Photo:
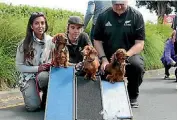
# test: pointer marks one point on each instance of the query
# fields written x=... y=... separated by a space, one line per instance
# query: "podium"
x=72 y=97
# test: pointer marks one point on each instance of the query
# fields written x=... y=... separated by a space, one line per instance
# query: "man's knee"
x=137 y=63
x=43 y=78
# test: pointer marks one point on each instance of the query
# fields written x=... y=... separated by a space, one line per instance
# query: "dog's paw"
x=93 y=78
x=111 y=81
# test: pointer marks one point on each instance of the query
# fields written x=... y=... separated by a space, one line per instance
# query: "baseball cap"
x=118 y=1
x=75 y=20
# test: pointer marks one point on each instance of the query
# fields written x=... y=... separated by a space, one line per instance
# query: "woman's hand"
x=44 y=67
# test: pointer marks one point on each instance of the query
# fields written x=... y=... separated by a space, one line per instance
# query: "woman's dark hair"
x=28 y=41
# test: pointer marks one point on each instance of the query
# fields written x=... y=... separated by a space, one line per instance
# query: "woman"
x=169 y=58
x=32 y=62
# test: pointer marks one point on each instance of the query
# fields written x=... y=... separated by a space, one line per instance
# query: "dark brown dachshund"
x=90 y=62
x=116 y=68
x=60 y=54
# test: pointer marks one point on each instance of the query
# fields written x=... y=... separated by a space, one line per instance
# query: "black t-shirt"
x=119 y=31
x=75 y=55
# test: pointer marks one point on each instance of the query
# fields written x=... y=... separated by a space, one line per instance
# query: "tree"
x=160 y=7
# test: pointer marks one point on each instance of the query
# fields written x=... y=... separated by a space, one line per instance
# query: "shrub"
x=154 y=44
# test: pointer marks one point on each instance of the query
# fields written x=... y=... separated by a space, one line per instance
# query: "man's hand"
x=44 y=67
x=103 y=65
x=79 y=66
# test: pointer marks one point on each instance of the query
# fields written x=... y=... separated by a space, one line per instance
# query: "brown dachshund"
x=60 y=54
x=116 y=68
x=90 y=62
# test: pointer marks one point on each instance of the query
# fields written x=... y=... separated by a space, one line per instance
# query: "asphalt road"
x=157 y=100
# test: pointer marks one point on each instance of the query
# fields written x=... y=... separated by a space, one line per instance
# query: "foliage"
x=156 y=35
x=160 y=7
x=7 y=70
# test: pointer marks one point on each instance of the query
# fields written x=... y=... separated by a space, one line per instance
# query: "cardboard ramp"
x=60 y=95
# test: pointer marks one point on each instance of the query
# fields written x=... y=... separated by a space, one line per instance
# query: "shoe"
x=166 y=77
x=134 y=103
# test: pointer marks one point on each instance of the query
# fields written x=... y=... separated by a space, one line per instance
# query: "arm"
x=89 y=13
x=139 y=36
x=104 y=61
x=20 y=66
x=98 y=36
x=99 y=47
x=98 y=43
x=137 y=48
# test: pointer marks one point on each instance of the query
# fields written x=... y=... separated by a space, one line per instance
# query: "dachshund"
x=116 y=68
x=90 y=62
x=60 y=53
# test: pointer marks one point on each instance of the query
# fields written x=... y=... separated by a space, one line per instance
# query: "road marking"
x=8 y=100
x=11 y=98
x=11 y=105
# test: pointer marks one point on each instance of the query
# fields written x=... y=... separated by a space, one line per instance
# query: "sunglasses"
x=37 y=13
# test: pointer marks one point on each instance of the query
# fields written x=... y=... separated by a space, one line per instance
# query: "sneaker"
x=166 y=77
x=134 y=103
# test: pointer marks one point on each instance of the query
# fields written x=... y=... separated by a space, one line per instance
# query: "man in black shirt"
x=121 y=26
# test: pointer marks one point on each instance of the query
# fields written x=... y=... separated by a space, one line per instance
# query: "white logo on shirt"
x=127 y=23
x=108 y=24
x=80 y=49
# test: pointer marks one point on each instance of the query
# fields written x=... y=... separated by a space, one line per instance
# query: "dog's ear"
x=64 y=36
x=93 y=51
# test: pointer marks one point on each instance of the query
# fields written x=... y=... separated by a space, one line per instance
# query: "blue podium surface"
x=116 y=104
x=60 y=97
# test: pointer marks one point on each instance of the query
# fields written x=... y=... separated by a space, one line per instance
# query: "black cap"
x=75 y=20
x=118 y=2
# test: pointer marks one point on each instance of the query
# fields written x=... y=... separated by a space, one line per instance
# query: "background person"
x=95 y=7
x=169 y=57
